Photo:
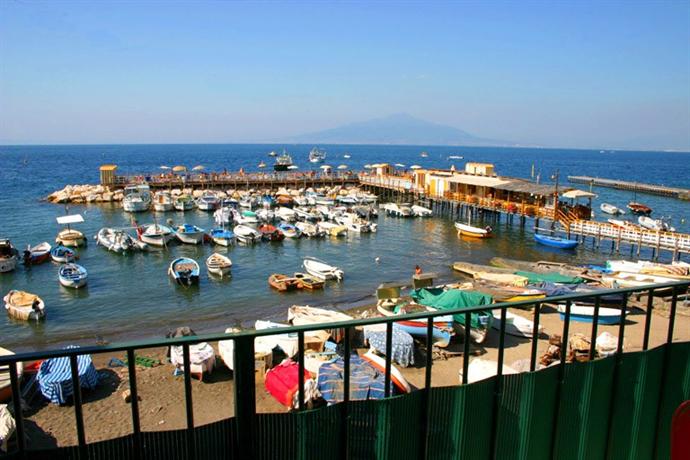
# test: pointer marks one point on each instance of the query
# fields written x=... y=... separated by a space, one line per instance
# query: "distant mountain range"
x=397 y=129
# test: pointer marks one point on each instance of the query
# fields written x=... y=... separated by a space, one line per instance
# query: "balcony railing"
x=579 y=410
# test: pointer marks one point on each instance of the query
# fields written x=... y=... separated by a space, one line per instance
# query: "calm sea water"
x=132 y=297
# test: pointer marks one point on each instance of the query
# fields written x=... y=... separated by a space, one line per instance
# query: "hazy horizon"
x=582 y=75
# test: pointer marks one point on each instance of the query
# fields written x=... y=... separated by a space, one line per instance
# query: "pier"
x=680 y=193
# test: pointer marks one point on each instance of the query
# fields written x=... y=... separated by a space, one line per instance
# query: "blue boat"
x=268 y=201
x=62 y=254
x=184 y=271
x=585 y=314
x=555 y=241
x=222 y=236
x=441 y=337
x=289 y=230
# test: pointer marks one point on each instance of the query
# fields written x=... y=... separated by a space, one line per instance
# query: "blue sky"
x=572 y=74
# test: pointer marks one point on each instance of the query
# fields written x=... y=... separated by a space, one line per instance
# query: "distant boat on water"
x=317 y=155
x=283 y=162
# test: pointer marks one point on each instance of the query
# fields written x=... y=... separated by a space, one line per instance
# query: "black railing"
x=244 y=371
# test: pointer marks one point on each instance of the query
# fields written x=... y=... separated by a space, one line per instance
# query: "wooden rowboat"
x=282 y=282
x=24 y=306
x=309 y=282
x=218 y=264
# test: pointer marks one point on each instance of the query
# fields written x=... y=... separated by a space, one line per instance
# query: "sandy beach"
x=107 y=416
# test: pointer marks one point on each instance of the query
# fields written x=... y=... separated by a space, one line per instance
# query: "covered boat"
x=24 y=306
x=300 y=315
x=322 y=270
x=222 y=236
x=115 y=240
x=474 y=232
x=62 y=255
x=8 y=256
x=34 y=255
x=555 y=241
x=218 y=264
x=282 y=282
x=55 y=377
x=72 y=275
x=157 y=235
x=246 y=234
x=480 y=322
x=611 y=209
x=184 y=271
x=5 y=384
x=189 y=234
x=70 y=237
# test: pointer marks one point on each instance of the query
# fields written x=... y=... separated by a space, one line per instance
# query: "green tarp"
x=535 y=278
x=455 y=298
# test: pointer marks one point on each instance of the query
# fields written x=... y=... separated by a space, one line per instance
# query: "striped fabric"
x=55 y=377
x=366 y=382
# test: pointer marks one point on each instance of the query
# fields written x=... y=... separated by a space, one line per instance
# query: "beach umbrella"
x=342 y=167
x=179 y=168
x=198 y=168
x=165 y=167
x=415 y=167
x=399 y=165
x=293 y=167
x=325 y=167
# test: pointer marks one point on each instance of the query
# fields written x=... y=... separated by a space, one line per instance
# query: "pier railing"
x=617 y=406
x=632 y=234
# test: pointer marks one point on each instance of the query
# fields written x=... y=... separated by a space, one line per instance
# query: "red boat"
x=639 y=208
x=271 y=233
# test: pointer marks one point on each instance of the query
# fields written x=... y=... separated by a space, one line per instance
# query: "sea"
x=131 y=296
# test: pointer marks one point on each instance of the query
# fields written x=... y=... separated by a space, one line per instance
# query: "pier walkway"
x=680 y=193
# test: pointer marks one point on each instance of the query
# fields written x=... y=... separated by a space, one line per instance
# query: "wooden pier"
x=680 y=193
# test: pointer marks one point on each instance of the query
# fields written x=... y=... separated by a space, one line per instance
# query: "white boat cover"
x=70 y=219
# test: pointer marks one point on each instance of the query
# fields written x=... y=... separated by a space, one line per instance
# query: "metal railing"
x=244 y=371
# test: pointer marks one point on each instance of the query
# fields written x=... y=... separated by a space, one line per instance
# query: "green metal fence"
x=617 y=407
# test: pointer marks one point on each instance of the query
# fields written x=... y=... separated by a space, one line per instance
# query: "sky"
x=560 y=74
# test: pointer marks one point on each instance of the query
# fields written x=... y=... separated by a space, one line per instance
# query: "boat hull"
x=555 y=242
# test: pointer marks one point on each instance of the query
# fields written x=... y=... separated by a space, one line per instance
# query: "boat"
x=655 y=224
x=517 y=326
x=282 y=282
x=474 y=232
x=355 y=223
x=245 y=217
x=624 y=224
x=674 y=270
x=208 y=202
x=262 y=165
x=332 y=229
x=611 y=209
x=156 y=234
x=503 y=293
x=267 y=201
x=379 y=363
x=347 y=156
x=8 y=256
x=246 y=234
x=308 y=282
x=70 y=237
x=62 y=255
x=424 y=155
x=24 y=306
x=393 y=209
x=585 y=314
x=184 y=271
x=555 y=241
x=34 y=255
x=289 y=230
x=189 y=234
x=218 y=264
x=443 y=324
x=137 y=198
x=115 y=240
x=72 y=275
x=222 y=215
x=5 y=383
x=305 y=315
x=285 y=214
x=265 y=215
x=222 y=236
x=317 y=155
x=322 y=270
x=541 y=266
x=271 y=233
x=310 y=230
x=347 y=200
x=634 y=280
x=184 y=203
x=247 y=201
x=272 y=153
x=639 y=209
x=421 y=211
x=162 y=201
x=307 y=214
x=283 y=162
x=284 y=199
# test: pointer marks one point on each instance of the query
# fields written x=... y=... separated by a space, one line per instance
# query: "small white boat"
x=475 y=232
x=611 y=209
x=317 y=155
x=621 y=223
x=349 y=200
x=421 y=211
x=70 y=237
x=310 y=230
x=24 y=306
x=222 y=215
x=115 y=240
x=322 y=270
x=218 y=264
x=632 y=280
x=8 y=256
x=585 y=314
x=396 y=210
x=654 y=224
x=157 y=235
x=245 y=217
x=516 y=325
x=265 y=215
x=162 y=201
x=246 y=234
x=332 y=229
x=353 y=223
x=286 y=214
x=184 y=203
x=72 y=276
x=208 y=202
x=137 y=198
x=62 y=254
x=189 y=234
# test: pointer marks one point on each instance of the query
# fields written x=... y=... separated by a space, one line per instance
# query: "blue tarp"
x=402 y=345
x=55 y=377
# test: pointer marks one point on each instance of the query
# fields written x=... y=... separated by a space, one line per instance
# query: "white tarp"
x=71 y=219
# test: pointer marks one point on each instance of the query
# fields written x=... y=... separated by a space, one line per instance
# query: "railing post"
x=17 y=404
x=76 y=392
x=344 y=428
x=389 y=352
x=561 y=377
x=134 y=395
x=245 y=397
x=535 y=337
x=426 y=404
x=466 y=348
x=498 y=385
x=189 y=405
x=648 y=319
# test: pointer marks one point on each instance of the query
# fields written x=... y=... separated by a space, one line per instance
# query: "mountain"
x=400 y=129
